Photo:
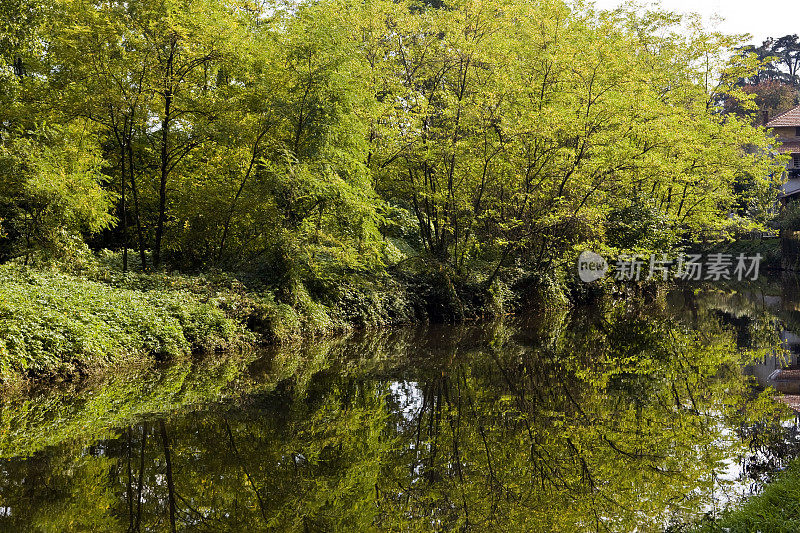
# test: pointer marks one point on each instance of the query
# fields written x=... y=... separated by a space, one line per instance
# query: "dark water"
x=636 y=413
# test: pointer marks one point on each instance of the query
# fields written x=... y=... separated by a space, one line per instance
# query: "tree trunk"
x=136 y=214
x=226 y=227
x=124 y=208
x=162 y=190
x=170 y=482
x=165 y=126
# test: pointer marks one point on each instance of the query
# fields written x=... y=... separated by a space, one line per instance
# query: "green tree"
x=51 y=192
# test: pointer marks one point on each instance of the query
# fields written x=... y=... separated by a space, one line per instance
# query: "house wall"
x=786 y=134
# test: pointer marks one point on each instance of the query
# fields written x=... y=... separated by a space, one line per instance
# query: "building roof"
x=789 y=147
x=790 y=188
x=789 y=118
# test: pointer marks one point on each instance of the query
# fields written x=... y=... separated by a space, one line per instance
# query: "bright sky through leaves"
x=767 y=18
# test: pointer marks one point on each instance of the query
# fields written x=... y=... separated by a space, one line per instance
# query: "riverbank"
x=58 y=323
x=776 y=509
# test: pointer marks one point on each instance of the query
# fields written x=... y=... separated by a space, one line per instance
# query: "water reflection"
x=629 y=413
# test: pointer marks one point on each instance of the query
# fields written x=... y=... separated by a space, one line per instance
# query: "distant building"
x=786 y=128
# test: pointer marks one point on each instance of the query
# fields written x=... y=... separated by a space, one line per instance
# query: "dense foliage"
x=331 y=143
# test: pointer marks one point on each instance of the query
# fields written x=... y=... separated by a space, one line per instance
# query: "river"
x=636 y=412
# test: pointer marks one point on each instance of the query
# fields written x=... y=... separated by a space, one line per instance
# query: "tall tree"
x=182 y=42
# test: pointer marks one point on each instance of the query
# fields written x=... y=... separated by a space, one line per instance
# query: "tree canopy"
x=309 y=142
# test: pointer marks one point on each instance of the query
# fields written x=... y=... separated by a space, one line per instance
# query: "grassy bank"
x=776 y=510
x=58 y=324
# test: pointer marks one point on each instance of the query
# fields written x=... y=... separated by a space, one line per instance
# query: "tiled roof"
x=789 y=147
x=790 y=188
x=786 y=119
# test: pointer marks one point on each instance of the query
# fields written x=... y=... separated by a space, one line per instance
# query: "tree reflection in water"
x=624 y=414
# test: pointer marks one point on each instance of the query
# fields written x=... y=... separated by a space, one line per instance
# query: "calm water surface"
x=628 y=414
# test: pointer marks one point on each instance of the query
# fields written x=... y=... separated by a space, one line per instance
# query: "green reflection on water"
x=627 y=413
